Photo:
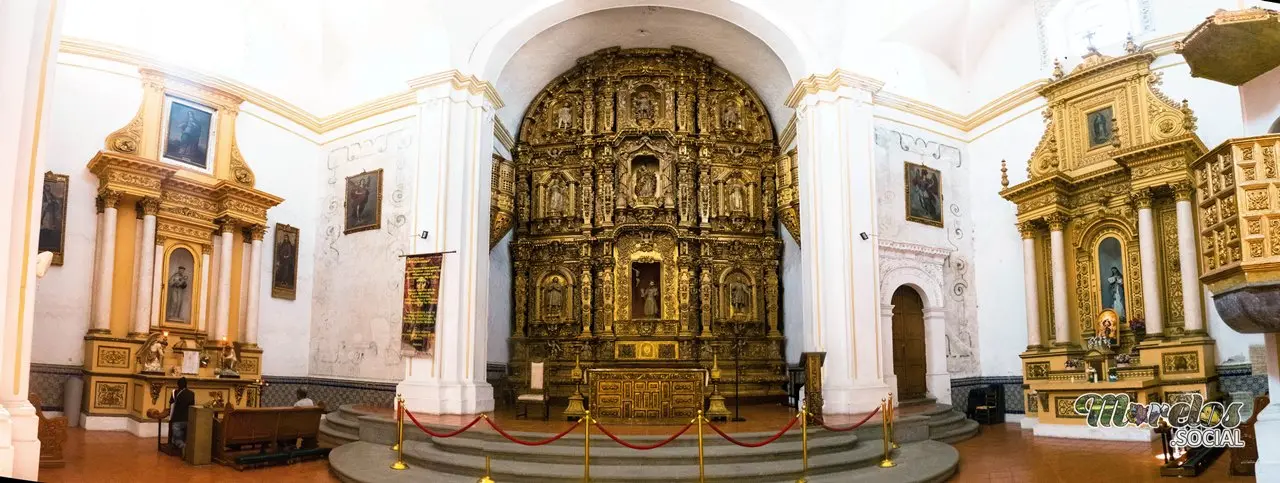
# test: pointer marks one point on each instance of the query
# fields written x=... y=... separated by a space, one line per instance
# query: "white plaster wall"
x=87 y=105
x=359 y=277
x=896 y=144
x=500 y=300
x=284 y=165
x=792 y=288
x=1261 y=102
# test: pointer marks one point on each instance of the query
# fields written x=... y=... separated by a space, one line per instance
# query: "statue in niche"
x=646 y=182
x=556 y=198
x=178 y=283
x=564 y=117
x=729 y=117
x=151 y=355
x=555 y=297
x=650 y=295
x=739 y=297
x=642 y=106
x=1116 y=281
x=737 y=194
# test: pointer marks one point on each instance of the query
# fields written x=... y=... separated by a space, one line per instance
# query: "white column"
x=839 y=268
x=937 y=378
x=1147 y=252
x=157 y=281
x=1267 y=428
x=29 y=32
x=203 y=315
x=1188 y=259
x=97 y=261
x=255 y=280
x=107 y=265
x=224 y=282
x=242 y=318
x=1057 y=251
x=454 y=159
x=148 y=270
x=137 y=257
x=211 y=288
x=1031 y=284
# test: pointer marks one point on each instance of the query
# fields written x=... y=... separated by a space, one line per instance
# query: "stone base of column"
x=6 y=444
x=99 y=332
x=1037 y=348
x=1029 y=422
x=1151 y=340
x=855 y=399
x=139 y=335
x=25 y=427
x=1065 y=347
x=1267 y=431
x=438 y=397
x=939 y=385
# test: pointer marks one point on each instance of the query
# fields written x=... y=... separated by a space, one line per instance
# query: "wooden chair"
x=988 y=411
x=536 y=394
x=52 y=433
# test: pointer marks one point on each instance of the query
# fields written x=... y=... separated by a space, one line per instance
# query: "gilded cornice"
x=788 y=135
x=503 y=136
x=242 y=203
x=831 y=82
x=129 y=174
x=459 y=81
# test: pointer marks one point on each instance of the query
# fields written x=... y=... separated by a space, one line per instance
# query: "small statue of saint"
x=729 y=118
x=151 y=355
x=738 y=296
x=555 y=296
x=556 y=198
x=229 y=361
x=646 y=182
x=736 y=197
x=650 y=295
x=177 y=295
x=642 y=106
x=564 y=117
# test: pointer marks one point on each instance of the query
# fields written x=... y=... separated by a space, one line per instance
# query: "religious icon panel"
x=924 y=194
x=363 y=202
x=189 y=132
x=1100 y=122
x=284 y=264
x=53 y=215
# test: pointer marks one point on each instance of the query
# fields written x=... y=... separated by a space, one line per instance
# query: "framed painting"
x=284 y=264
x=363 y=206
x=1100 y=124
x=53 y=215
x=189 y=133
x=924 y=194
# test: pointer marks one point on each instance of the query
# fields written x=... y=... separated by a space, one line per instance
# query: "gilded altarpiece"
x=644 y=204
x=1113 y=145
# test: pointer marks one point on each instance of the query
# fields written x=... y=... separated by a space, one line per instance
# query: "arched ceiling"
x=555 y=50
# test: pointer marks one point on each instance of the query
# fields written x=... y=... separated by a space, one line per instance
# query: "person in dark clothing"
x=182 y=399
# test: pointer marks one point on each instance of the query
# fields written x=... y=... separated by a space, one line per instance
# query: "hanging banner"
x=421 y=294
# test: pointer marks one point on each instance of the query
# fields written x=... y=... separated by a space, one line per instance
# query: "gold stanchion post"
x=586 y=446
x=399 y=464
x=804 y=445
x=893 y=419
x=485 y=478
x=702 y=475
x=887 y=462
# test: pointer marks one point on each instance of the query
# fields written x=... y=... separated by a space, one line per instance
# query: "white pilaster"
x=255 y=280
x=1267 y=427
x=1150 y=283
x=146 y=281
x=137 y=261
x=937 y=378
x=106 y=266
x=1032 y=286
x=1192 y=311
x=210 y=289
x=242 y=318
x=455 y=115
x=203 y=317
x=223 y=317
x=839 y=268
x=29 y=31
x=157 y=282
x=1057 y=251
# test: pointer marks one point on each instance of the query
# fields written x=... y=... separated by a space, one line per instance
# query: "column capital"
x=1183 y=190
x=254 y=232
x=206 y=248
x=1027 y=229
x=1141 y=198
x=1057 y=221
x=110 y=198
x=225 y=225
x=150 y=206
x=160 y=239
x=100 y=203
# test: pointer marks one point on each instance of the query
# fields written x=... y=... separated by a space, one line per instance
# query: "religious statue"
x=151 y=355
x=564 y=117
x=1116 y=282
x=739 y=296
x=650 y=295
x=646 y=182
x=556 y=198
x=729 y=118
x=177 y=295
x=229 y=361
x=736 y=196
x=555 y=296
x=642 y=105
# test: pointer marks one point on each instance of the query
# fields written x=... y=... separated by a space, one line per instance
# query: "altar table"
x=646 y=395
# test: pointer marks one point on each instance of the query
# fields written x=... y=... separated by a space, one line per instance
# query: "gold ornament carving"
x=109 y=395
x=128 y=138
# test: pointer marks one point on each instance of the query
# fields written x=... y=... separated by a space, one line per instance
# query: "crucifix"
x=1088 y=37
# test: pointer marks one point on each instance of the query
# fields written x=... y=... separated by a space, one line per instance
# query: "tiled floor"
x=1001 y=453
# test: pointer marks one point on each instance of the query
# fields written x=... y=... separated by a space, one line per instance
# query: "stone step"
x=482 y=432
x=967 y=429
x=332 y=436
x=612 y=453
x=906 y=403
x=945 y=419
x=343 y=422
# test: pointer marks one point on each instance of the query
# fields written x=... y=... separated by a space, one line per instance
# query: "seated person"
x=181 y=400
x=303 y=400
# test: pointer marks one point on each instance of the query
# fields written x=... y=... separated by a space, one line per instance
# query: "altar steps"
x=950 y=426
x=340 y=427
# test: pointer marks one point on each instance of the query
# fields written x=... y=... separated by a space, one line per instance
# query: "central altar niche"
x=645 y=235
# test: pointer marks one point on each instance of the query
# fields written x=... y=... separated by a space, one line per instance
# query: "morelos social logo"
x=1195 y=424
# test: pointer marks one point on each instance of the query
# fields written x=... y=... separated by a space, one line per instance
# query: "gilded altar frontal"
x=644 y=233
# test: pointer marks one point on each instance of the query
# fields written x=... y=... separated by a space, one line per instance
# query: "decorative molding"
x=831 y=82
x=459 y=81
x=503 y=136
x=788 y=135
x=915 y=249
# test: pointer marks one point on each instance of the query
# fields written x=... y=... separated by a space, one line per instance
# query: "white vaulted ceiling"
x=556 y=49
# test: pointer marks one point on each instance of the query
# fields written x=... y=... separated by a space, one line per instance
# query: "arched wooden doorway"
x=908 y=343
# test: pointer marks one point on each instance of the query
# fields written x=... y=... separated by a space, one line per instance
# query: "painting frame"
x=60 y=225
x=910 y=172
x=1107 y=116
x=375 y=198
x=281 y=236
x=210 y=134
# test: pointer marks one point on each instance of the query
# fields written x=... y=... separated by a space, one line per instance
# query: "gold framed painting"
x=53 y=215
x=363 y=206
x=923 y=189
x=284 y=262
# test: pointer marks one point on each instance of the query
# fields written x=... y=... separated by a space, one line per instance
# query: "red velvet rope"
x=513 y=439
x=642 y=447
x=443 y=435
x=855 y=425
x=755 y=445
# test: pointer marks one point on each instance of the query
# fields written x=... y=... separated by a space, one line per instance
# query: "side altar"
x=1113 y=295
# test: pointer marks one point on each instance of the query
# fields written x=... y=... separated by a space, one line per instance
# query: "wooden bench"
x=246 y=437
x=52 y=433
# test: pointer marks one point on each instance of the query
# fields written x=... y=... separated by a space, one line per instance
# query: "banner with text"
x=421 y=294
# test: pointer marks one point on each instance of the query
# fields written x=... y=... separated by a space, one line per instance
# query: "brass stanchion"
x=893 y=417
x=804 y=445
x=586 y=446
x=485 y=478
x=399 y=447
x=702 y=475
x=887 y=462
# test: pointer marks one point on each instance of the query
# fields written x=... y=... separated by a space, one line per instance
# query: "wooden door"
x=908 y=343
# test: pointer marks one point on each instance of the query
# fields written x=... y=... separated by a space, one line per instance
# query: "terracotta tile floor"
x=1001 y=453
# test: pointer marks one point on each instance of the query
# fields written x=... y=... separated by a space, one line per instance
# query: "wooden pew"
x=246 y=437
x=52 y=433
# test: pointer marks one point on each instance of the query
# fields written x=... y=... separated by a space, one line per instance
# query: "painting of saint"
x=189 y=133
x=284 y=264
x=924 y=194
x=177 y=306
x=1111 y=274
x=53 y=215
x=364 y=202
x=1099 y=126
